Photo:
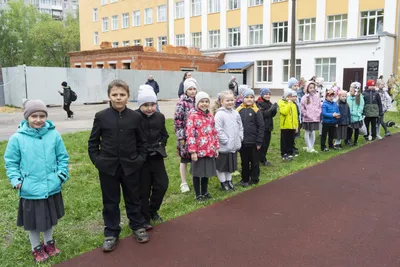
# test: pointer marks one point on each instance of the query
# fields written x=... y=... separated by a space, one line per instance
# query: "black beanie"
x=64 y=84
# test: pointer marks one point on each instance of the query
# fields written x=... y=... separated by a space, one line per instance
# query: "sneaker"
x=266 y=163
x=39 y=255
x=141 y=235
x=370 y=138
x=156 y=218
x=313 y=151
x=243 y=183
x=231 y=186
x=147 y=226
x=388 y=134
x=207 y=196
x=336 y=147
x=253 y=182
x=225 y=186
x=110 y=243
x=51 y=249
x=379 y=137
x=325 y=150
x=366 y=138
x=199 y=199
x=290 y=157
x=184 y=188
x=286 y=157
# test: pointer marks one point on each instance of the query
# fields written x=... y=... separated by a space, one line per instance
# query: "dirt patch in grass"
x=7 y=109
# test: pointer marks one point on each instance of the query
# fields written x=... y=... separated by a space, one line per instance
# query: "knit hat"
x=201 y=95
x=241 y=88
x=248 y=92
x=264 y=91
x=292 y=81
x=146 y=95
x=370 y=83
x=191 y=82
x=64 y=84
x=288 y=92
x=32 y=106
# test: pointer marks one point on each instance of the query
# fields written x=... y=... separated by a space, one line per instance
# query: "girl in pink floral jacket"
x=202 y=139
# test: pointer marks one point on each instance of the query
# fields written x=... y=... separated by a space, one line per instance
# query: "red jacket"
x=201 y=135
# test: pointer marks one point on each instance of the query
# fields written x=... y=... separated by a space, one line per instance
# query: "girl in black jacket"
x=344 y=120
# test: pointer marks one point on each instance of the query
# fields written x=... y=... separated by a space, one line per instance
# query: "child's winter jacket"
x=230 y=130
x=373 y=104
x=268 y=111
x=386 y=99
x=345 y=117
x=253 y=124
x=311 y=112
x=328 y=108
x=356 y=111
x=183 y=108
x=288 y=115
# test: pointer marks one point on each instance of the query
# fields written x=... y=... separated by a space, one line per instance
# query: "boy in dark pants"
x=372 y=109
x=330 y=116
x=153 y=176
x=253 y=125
x=289 y=123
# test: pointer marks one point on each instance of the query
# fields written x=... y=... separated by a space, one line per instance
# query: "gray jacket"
x=230 y=130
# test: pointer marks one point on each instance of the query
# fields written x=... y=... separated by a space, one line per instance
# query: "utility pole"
x=293 y=41
x=2 y=97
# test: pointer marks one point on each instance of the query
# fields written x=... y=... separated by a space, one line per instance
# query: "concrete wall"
x=91 y=84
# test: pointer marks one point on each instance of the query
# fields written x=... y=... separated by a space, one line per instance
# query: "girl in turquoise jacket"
x=36 y=164
x=356 y=103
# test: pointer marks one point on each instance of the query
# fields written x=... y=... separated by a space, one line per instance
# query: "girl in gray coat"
x=230 y=135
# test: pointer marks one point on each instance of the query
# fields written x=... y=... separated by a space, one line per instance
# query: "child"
x=183 y=108
x=386 y=104
x=239 y=99
x=230 y=136
x=202 y=145
x=153 y=176
x=268 y=110
x=344 y=120
x=117 y=146
x=330 y=116
x=293 y=85
x=372 y=109
x=253 y=134
x=310 y=107
x=356 y=105
x=36 y=163
x=289 y=124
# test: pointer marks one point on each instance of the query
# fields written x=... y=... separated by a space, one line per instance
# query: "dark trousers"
x=111 y=192
x=350 y=133
x=381 y=121
x=200 y=185
x=250 y=164
x=287 y=141
x=265 y=145
x=153 y=185
x=328 y=129
x=68 y=110
x=371 y=121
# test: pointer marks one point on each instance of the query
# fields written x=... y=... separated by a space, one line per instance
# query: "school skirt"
x=356 y=125
x=203 y=167
x=310 y=126
x=40 y=214
x=227 y=162
x=341 y=132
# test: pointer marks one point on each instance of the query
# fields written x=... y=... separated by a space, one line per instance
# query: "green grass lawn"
x=81 y=229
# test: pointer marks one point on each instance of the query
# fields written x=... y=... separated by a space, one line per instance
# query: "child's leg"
x=48 y=235
x=145 y=188
x=221 y=176
x=324 y=135
x=228 y=176
x=331 y=135
x=254 y=163
x=291 y=143
x=160 y=185
x=245 y=153
x=307 y=139
x=196 y=185
x=356 y=134
x=373 y=126
x=204 y=185
x=268 y=142
x=349 y=134
x=183 y=172
x=34 y=238
x=382 y=121
x=283 y=151
x=312 y=139
x=367 y=122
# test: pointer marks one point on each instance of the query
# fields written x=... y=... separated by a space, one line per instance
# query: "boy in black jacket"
x=153 y=176
x=268 y=111
x=253 y=125
x=372 y=109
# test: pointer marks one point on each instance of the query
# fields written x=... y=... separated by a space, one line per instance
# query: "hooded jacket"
x=386 y=99
x=183 y=108
x=356 y=111
x=36 y=159
x=288 y=115
x=268 y=110
x=230 y=130
x=311 y=112
x=67 y=95
x=328 y=108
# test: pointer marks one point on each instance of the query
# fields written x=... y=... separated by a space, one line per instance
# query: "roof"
x=236 y=65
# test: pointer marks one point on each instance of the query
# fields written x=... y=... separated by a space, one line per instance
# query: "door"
x=352 y=75
x=244 y=77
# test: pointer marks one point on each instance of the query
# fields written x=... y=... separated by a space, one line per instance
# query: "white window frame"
x=114 y=22
x=162 y=13
x=233 y=4
x=286 y=70
x=104 y=24
x=195 y=8
x=148 y=16
x=104 y=2
x=256 y=34
x=136 y=18
x=179 y=10
x=125 y=20
x=324 y=67
x=115 y=44
x=276 y=27
x=307 y=29
x=137 y=42
x=95 y=14
x=263 y=68
x=256 y=3
x=335 y=21
x=234 y=37
x=149 y=42
x=162 y=40
x=214 y=38
x=213 y=6
x=196 y=39
x=180 y=40
x=366 y=17
x=277 y=1
x=125 y=43
x=96 y=38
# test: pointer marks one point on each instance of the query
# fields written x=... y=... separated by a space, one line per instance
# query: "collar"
x=253 y=107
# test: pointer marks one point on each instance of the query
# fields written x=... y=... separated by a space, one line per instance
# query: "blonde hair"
x=225 y=94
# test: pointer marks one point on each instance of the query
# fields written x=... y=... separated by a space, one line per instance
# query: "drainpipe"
x=396 y=65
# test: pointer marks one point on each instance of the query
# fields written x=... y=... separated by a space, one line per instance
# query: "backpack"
x=74 y=96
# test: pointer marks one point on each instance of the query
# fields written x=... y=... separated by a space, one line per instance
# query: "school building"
x=340 y=40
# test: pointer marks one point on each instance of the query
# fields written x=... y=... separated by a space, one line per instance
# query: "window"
x=115 y=44
x=213 y=6
x=149 y=41
x=104 y=2
x=95 y=38
x=162 y=40
x=233 y=4
x=148 y=16
x=337 y=26
x=286 y=69
x=125 y=20
x=280 y=32
x=214 y=39
x=326 y=67
x=264 y=71
x=179 y=10
x=256 y=2
x=196 y=39
x=105 y=25
x=162 y=13
x=196 y=7
x=307 y=29
x=125 y=43
x=137 y=42
x=277 y=1
x=180 y=40
x=233 y=37
x=94 y=14
x=136 y=18
x=114 y=22
x=256 y=34
x=371 y=22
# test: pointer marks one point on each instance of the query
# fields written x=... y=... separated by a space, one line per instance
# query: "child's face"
x=293 y=98
x=148 y=108
x=311 y=88
x=191 y=92
x=37 y=119
x=330 y=97
x=119 y=98
x=295 y=87
x=381 y=85
x=228 y=102
x=203 y=104
x=343 y=97
x=267 y=97
x=248 y=100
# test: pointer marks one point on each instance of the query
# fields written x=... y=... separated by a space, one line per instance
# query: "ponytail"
x=308 y=99
x=358 y=99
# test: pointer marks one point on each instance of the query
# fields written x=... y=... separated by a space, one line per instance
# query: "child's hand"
x=216 y=154
x=258 y=147
x=18 y=186
x=194 y=157
x=182 y=142
x=297 y=130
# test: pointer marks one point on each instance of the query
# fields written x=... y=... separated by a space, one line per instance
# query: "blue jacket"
x=37 y=159
x=328 y=108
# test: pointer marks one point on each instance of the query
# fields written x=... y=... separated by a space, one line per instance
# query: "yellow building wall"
x=179 y=26
x=372 y=4
x=233 y=18
x=337 y=7
x=213 y=21
x=255 y=15
x=306 y=9
x=195 y=24
x=279 y=11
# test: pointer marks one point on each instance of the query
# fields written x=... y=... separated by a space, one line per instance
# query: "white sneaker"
x=379 y=137
x=313 y=150
x=184 y=188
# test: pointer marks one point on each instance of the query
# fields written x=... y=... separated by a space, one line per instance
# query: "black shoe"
x=349 y=144
x=200 y=199
x=336 y=147
x=230 y=184
x=147 y=226
x=366 y=138
x=266 y=163
x=141 y=235
x=373 y=139
x=388 y=133
x=156 y=218
x=325 y=150
x=110 y=243
x=253 y=182
x=207 y=196
x=225 y=186
x=243 y=183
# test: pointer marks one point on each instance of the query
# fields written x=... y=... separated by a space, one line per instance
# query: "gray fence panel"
x=14 y=85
